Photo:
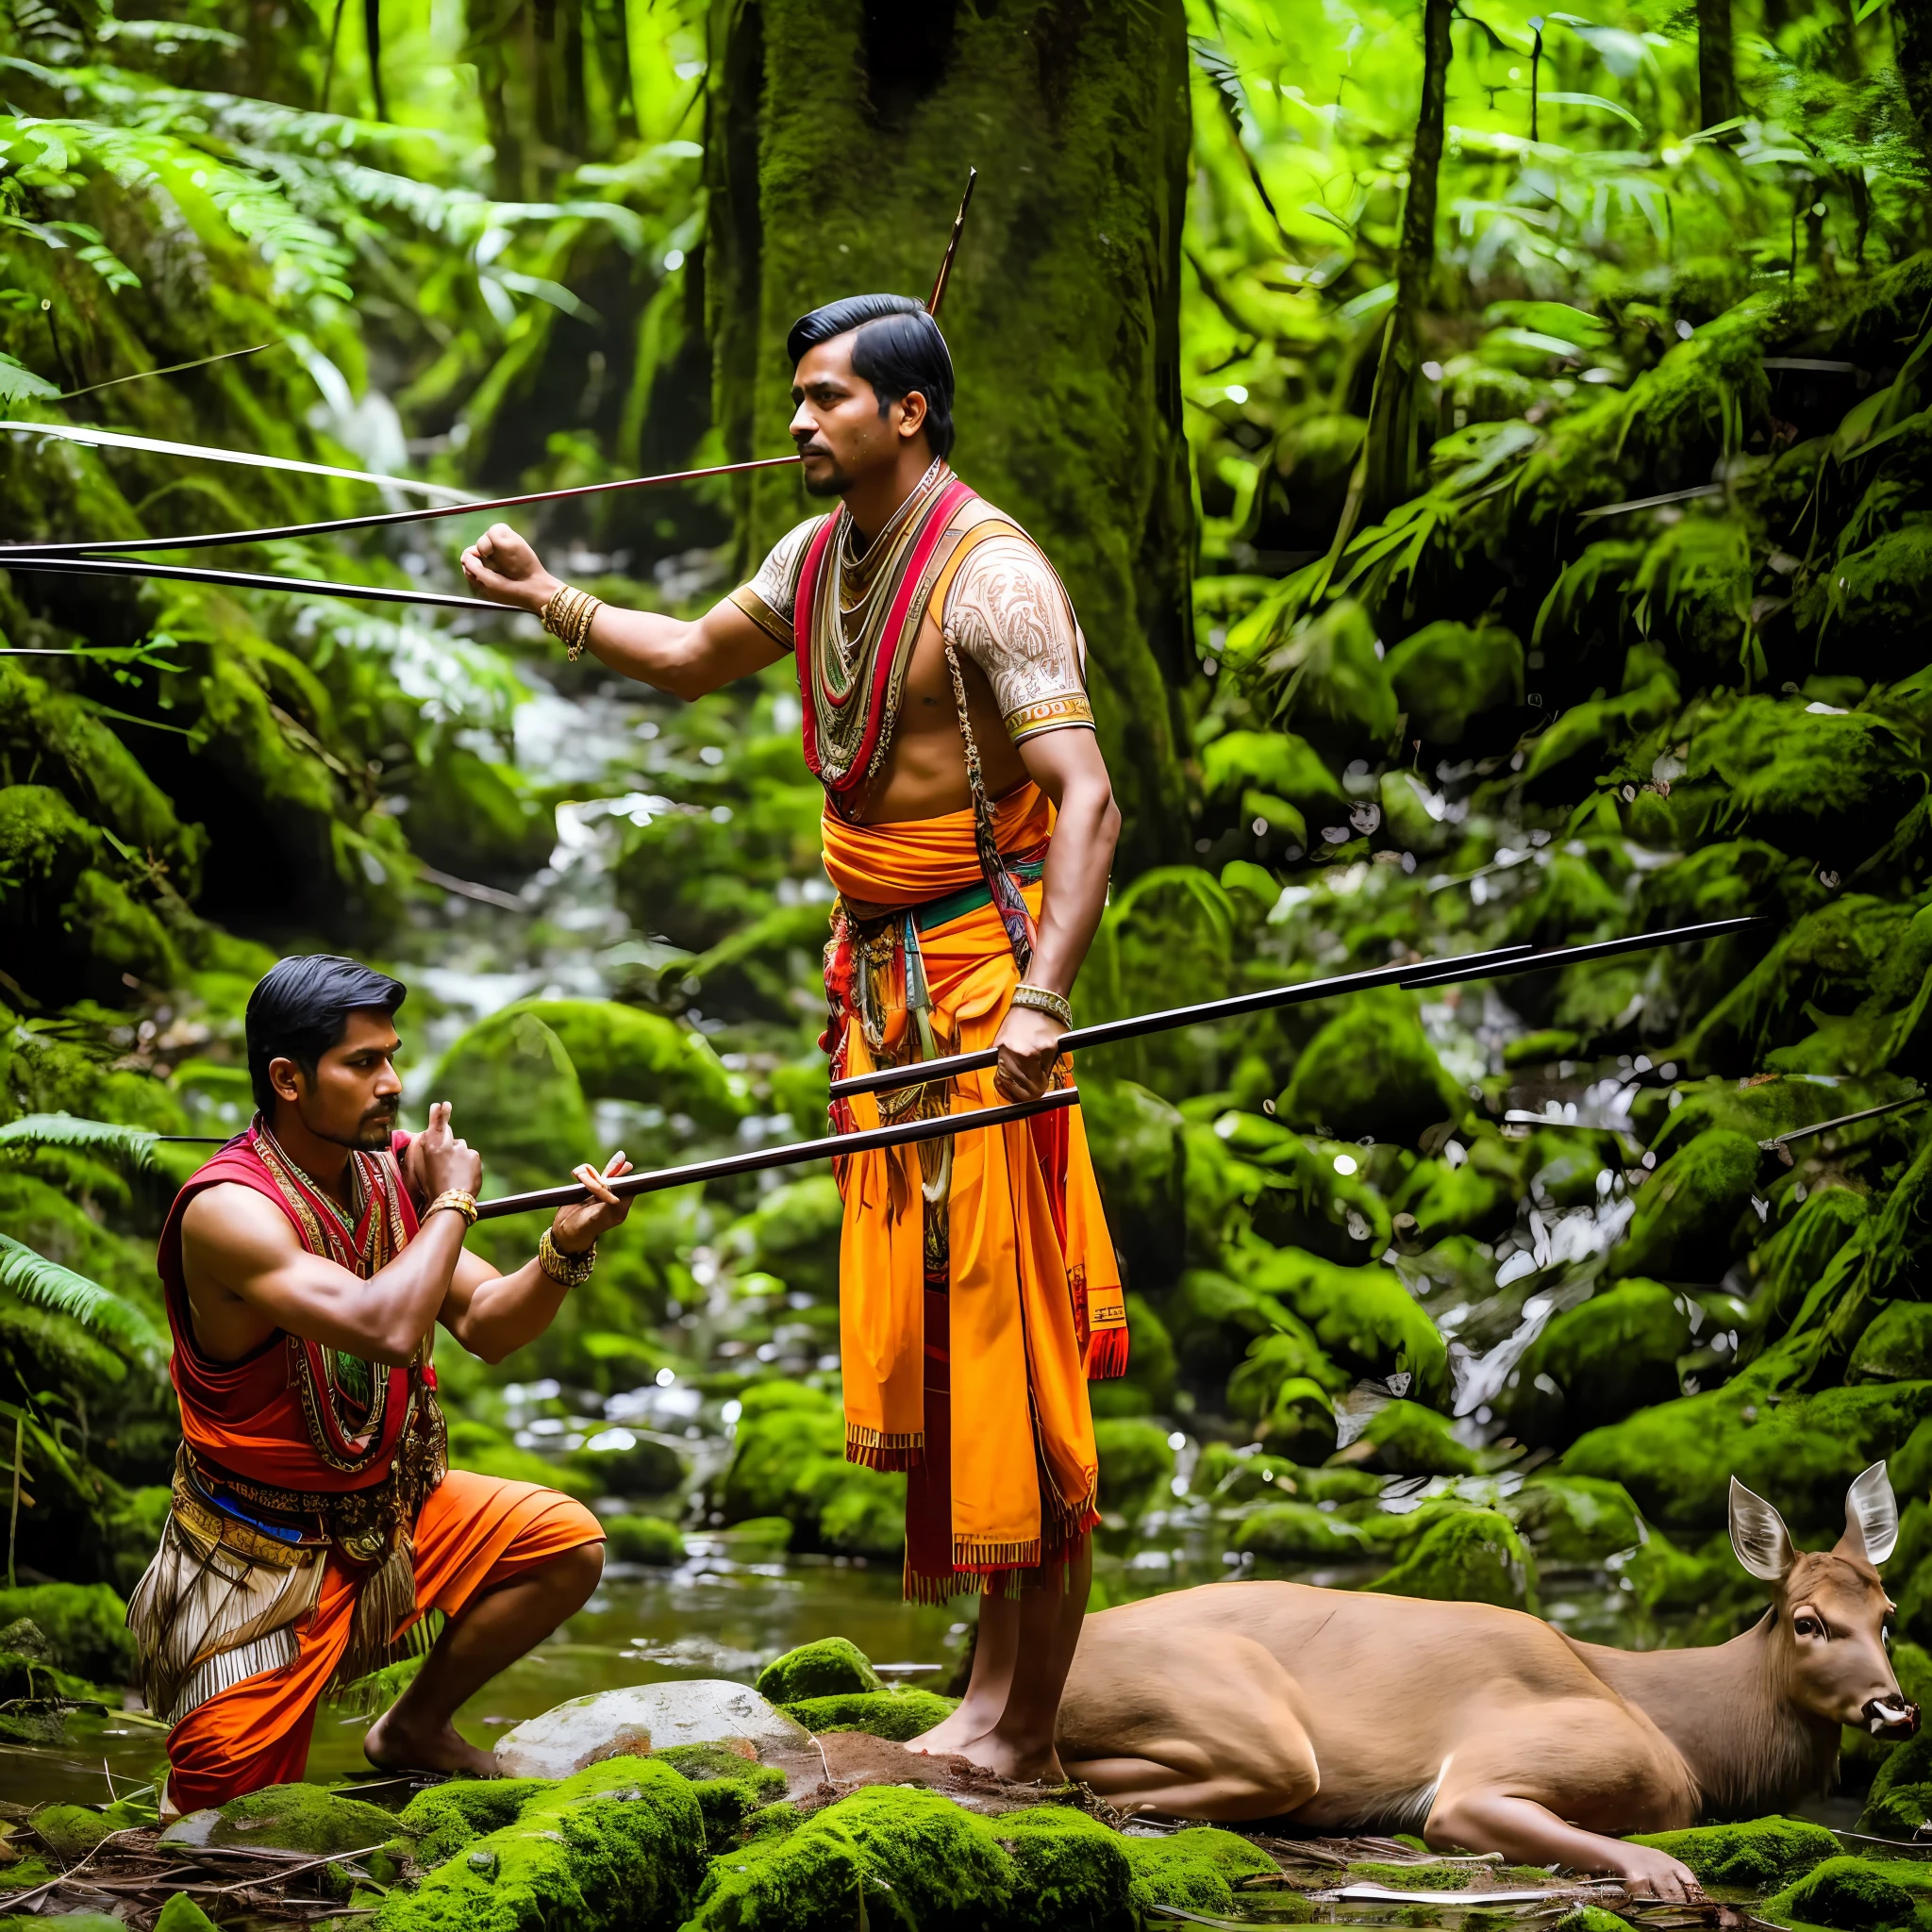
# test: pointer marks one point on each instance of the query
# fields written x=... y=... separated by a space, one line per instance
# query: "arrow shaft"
x=244 y=580
x=833 y=1146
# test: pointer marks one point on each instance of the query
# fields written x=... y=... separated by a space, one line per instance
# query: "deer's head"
x=1828 y=1608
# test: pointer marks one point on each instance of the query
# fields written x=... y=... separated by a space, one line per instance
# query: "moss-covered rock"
x=1900 y=1801
x=1758 y=1856
x=1465 y=1556
x=1070 y=1870
x=788 y=1459
x=1406 y=1439
x=1856 y=1895
x=1595 y=1364
x=1444 y=1200
x=476 y=1445
x=303 y=1818
x=1574 y=1520
x=1136 y=1463
x=1364 y=1317
x=645 y=1539
x=85 y=1626
x=831 y=1667
x=445 y=1818
x=900 y=1715
x=1897 y=1347
x=72 y=1831
x=515 y=1094
x=620 y=1841
x=1370 y=1071
x=731 y=1789
x=641 y=1467
x=1197 y=1869
x=1687 y=1211
x=1300 y=1533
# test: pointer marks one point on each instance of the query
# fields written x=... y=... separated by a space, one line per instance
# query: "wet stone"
x=648 y=1717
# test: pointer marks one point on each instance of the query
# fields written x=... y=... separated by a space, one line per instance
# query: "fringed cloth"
x=298 y=1463
x=473 y=1534
x=1001 y=1231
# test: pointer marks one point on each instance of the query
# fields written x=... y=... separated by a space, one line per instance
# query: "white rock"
x=649 y=1717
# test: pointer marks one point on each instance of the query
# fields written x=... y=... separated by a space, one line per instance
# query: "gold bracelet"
x=1044 y=1000
x=572 y=1271
x=460 y=1199
x=567 y=615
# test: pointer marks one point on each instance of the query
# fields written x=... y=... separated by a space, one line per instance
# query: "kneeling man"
x=315 y=1520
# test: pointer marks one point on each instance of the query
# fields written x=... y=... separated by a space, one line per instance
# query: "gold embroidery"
x=777 y=628
x=1049 y=714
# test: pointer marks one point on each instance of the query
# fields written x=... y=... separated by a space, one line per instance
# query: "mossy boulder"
x=85 y=1626
x=476 y=1445
x=1136 y=1463
x=1595 y=1364
x=1292 y=1354
x=731 y=1789
x=1688 y=1211
x=445 y=1818
x=1443 y=1200
x=1801 y=1451
x=788 y=1459
x=1758 y=1856
x=1294 y=1532
x=1446 y=673
x=1897 y=1347
x=1364 y=1317
x=1195 y=1870
x=515 y=1094
x=643 y=1466
x=72 y=1831
x=1900 y=1801
x=1406 y=1439
x=645 y=1539
x=303 y=1818
x=1370 y=1071
x=1070 y=1871
x=1574 y=1520
x=900 y=1715
x=1465 y=1556
x=622 y=1841
x=831 y=1667
x=1856 y=1895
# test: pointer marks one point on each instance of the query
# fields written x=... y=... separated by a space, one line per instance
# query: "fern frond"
x=48 y=1285
x=133 y=1145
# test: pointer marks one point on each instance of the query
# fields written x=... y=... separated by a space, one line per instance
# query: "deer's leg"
x=1536 y=1770
x=1214 y=1736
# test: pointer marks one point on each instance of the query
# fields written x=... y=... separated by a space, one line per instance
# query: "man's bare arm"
x=1068 y=767
x=686 y=660
x=242 y=1258
x=493 y=1315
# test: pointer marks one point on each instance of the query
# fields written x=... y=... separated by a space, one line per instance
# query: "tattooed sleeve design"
x=1009 y=613
x=767 y=599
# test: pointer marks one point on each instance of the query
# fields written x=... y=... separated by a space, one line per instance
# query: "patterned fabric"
x=1008 y=610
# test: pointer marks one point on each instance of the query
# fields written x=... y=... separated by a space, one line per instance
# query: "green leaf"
x=48 y=1285
x=1616 y=107
x=17 y=383
x=135 y=1145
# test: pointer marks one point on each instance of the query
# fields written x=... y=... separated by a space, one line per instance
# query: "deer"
x=1485 y=1729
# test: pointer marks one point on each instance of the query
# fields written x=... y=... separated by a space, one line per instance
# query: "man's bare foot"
x=393 y=1744
x=957 y=1730
x=1020 y=1761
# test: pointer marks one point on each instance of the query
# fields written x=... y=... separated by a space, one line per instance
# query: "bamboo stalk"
x=209 y=539
x=832 y=1147
x=1501 y=962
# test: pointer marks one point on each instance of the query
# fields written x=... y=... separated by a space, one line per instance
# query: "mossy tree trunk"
x=839 y=139
x=1717 y=64
x=1388 y=447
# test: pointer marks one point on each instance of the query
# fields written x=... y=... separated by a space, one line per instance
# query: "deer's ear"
x=1758 y=1535
x=1871 y=1518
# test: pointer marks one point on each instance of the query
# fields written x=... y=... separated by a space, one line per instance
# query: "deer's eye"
x=1808 y=1625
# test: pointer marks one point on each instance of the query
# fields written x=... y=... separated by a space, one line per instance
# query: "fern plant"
x=32 y=1278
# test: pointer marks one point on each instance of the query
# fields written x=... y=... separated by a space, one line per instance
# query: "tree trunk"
x=1388 y=448
x=1717 y=66
x=1911 y=39
x=839 y=136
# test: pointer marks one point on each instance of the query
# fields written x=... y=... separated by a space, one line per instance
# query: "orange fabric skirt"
x=1033 y=1288
x=474 y=1532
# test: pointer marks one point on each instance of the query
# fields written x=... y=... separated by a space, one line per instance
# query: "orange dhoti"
x=473 y=1533
x=975 y=1298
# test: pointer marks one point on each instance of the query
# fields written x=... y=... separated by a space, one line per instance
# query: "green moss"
x=71 y=1831
x=445 y=1819
x=1370 y=1071
x=1802 y=1452
x=1071 y=1872
x=514 y=1093
x=1594 y=1364
x=303 y=1818
x=1134 y=1463
x=916 y=1859
x=900 y=1715
x=1757 y=1856
x=1446 y=673
x=1275 y=761
x=731 y=1789
x=123 y=935
x=1591 y=1919
x=1574 y=1520
x=1290 y=1353
x=1686 y=1223
x=622 y=1840
x=1466 y=1556
x=626 y=1053
x=1222 y=1473
x=1406 y=1439
x=1788 y=1265
x=1900 y=1801
x=1363 y=1317
x=788 y=1459
x=831 y=1667
x=1897 y=1347
x=645 y=1539
x=1444 y=1200
x=1299 y=1532
x=474 y=1445
x=645 y=1468
x=85 y=1626
x=1195 y=1870
x=1855 y=1894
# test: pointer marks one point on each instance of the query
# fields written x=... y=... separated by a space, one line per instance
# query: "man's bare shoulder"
x=231 y=1222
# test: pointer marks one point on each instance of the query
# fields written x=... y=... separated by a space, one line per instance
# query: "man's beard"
x=372 y=1135
x=834 y=483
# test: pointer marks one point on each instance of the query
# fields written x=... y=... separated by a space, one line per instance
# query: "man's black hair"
x=300 y=1008
x=898 y=349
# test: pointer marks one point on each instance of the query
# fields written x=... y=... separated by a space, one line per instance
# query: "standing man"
x=969 y=827
x=315 y=1521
